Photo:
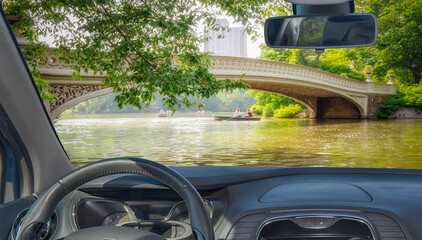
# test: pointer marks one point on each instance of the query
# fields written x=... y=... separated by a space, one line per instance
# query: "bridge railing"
x=266 y=68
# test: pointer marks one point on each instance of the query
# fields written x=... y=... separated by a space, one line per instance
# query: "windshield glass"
x=191 y=83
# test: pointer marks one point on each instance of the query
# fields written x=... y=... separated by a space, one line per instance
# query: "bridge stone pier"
x=326 y=95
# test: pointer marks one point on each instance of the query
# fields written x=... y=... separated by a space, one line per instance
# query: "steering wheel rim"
x=44 y=206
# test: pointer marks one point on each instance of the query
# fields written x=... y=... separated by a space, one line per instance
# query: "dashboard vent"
x=386 y=226
x=46 y=232
x=245 y=227
x=307 y=228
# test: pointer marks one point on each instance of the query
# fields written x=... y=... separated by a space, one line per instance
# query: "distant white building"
x=232 y=43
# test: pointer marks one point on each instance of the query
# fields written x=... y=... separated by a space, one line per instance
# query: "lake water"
x=191 y=140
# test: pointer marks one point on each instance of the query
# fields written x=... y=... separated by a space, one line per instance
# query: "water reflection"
x=189 y=140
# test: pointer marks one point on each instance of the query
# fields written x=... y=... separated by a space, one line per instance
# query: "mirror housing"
x=306 y=7
x=321 y=31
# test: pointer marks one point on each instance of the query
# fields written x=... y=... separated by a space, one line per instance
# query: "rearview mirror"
x=320 y=32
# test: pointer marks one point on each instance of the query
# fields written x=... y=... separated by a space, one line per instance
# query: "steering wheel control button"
x=306 y=222
x=324 y=222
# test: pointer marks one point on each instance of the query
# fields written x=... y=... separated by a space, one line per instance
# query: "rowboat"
x=162 y=115
x=226 y=118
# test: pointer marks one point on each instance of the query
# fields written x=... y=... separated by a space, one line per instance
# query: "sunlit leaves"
x=399 y=46
x=135 y=43
x=269 y=105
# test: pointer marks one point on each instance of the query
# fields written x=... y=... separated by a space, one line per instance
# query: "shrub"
x=410 y=96
x=288 y=111
x=413 y=96
x=391 y=105
x=268 y=110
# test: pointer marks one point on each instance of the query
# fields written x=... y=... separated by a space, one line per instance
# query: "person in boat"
x=237 y=113
x=162 y=112
x=249 y=114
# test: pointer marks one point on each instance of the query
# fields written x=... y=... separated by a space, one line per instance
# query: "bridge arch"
x=318 y=103
x=69 y=96
x=79 y=94
x=75 y=100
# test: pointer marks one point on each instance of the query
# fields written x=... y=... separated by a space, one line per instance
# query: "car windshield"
x=192 y=83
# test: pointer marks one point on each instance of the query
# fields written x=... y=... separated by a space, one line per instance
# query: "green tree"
x=267 y=104
x=288 y=111
x=398 y=46
x=409 y=97
x=275 y=54
x=135 y=42
x=237 y=99
x=345 y=62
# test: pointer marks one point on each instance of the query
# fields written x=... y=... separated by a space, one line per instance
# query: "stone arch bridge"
x=326 y=95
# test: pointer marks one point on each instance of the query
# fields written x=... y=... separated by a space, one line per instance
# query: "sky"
x=253 y=47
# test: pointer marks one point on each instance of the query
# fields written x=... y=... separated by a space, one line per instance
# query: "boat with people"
x=228 y=118
x=162 y=113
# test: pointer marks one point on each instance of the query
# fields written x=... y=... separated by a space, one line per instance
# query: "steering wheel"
x=44 y=206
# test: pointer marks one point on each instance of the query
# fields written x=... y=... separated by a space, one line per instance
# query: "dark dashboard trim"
x=233 y=175
x=217 y=177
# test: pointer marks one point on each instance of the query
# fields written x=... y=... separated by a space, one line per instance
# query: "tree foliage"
x=344 y=62
x=400 y=31
x=272 y=105
x=409 y=97
x=135 y=42
x=390 y=105
x=288 y=111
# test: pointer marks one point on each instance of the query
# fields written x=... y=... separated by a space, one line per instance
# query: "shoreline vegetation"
x=261 y=103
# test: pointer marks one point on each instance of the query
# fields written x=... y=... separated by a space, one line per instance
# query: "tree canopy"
x=398 y=46
x=144 y=47
x=273 y=105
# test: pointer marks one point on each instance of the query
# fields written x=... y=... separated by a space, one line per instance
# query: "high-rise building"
x=232 y=42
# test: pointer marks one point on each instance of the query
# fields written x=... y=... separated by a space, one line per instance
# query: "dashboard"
x=255 y=204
